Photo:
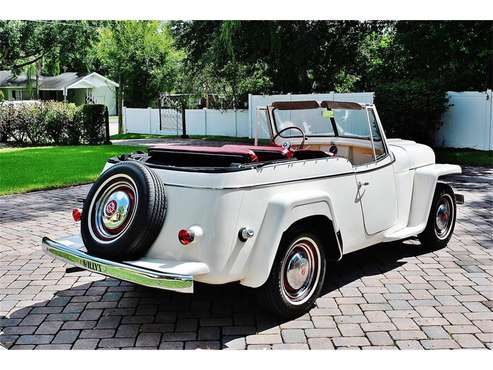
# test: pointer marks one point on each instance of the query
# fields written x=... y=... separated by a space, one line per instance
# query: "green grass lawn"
x=465 y=157
x=27 y=169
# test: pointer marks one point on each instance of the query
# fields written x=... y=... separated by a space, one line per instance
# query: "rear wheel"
x=441 y=220
x=124 y=212
x=296 y=277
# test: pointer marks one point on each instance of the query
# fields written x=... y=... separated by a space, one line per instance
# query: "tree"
x=295 y=56
x=45 y=47
x=56 y=44
x=214 y=66
x=411 y=66
x=459 y=54
x=141 y=56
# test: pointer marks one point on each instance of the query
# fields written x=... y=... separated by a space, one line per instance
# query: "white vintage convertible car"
x=268 y=217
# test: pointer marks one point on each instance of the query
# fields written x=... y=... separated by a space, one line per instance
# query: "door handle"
x=360 y=184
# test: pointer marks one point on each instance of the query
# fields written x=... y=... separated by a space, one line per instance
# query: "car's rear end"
x=166 y=218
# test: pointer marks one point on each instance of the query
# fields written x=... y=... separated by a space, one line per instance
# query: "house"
x=68 y=86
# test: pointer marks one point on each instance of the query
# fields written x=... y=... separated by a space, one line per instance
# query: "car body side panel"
x=404 y=189
x=425 y=180
x=334 y=197
x=283 y=210
x=424 y=183
x=377 y=197
x=225 y=205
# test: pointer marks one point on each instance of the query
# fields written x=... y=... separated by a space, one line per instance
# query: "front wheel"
x=441 y=220
x=296 y=277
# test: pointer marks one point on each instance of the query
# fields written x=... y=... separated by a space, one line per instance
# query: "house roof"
x=67 y=80
x=59 y=82
x=8 y=79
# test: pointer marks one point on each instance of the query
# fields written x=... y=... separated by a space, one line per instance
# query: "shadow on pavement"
x=126 y=315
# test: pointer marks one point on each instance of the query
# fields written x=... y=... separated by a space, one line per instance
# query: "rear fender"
x=282 y=211
x=425 y=181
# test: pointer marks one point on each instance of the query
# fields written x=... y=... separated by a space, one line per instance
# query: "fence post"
x=250 y=115
x=205 y=121
x=150 y=119
x=489 y=97
x=236 y=123
x=124 y=113
x=107 y=125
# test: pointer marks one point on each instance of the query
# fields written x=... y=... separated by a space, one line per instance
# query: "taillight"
x=76 y=214
x=186 y=236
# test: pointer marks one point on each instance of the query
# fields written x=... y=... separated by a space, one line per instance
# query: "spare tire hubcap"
x=116 y=210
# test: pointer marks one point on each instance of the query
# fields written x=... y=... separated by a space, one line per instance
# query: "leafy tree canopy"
x=141 y=56
x=234 y=58
x=52 y=45
x=297 y=56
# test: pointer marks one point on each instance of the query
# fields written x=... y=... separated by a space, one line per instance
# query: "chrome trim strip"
x=118 y=270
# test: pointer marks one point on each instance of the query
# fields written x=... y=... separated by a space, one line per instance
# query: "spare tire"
x=123 y=212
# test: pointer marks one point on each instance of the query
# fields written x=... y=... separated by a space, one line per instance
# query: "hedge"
x=411 y=109
x=42 y=123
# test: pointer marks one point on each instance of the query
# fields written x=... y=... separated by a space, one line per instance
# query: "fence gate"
x=170 y=114
x=170 y=120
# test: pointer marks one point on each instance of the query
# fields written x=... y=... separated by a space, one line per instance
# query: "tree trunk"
x=37 y=83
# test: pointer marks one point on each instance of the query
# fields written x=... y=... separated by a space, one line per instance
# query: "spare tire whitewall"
x=107 y=223
x=124 y=212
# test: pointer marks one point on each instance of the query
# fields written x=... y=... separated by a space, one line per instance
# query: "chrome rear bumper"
x=118 y=270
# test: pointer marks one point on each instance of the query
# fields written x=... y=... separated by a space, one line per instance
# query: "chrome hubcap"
x=114 y=210
x=297 y=270
x=300 y=271
x=443 y=217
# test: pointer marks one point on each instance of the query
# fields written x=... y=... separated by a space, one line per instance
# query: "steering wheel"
x=292 y=128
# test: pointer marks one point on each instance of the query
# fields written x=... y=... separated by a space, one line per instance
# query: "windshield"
x=323 y=122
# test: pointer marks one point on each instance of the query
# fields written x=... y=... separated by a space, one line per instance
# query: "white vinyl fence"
x=239 y=123
x=468 y=122
x=198 y=122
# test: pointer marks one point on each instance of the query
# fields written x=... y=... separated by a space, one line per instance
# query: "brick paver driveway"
x=399 y=295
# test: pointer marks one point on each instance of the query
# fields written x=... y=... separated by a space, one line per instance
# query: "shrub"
x=38 y=123
x=18 y=122
x=93 y=122
x=411 y=109
x=59 y=123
